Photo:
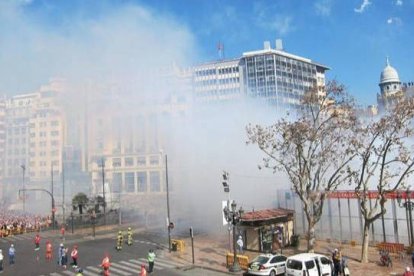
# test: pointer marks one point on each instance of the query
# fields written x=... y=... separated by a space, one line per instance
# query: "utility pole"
x=24 y=192
x=63 y=192
x=53 y=207
x=168 y=203
x=103 y=189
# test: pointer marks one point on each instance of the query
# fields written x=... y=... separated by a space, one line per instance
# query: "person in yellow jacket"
x=120 y=240
x=129 y=233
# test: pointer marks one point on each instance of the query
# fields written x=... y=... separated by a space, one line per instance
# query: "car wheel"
x=272 y=273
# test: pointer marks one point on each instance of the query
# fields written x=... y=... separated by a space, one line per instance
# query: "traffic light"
x=225 y=181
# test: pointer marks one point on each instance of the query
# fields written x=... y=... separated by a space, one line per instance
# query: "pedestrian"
x=105 y=265
x=12 y=252
x=79 y=272
x=120 y=239
x=37 y=242
x=336 y=258
x=412 y=258
x=62 y=232
x=143 y=270
x=129 y=234
x=48 y=251
x=408 y=272
x=64 y=257
x=1 y=261
x=240 y=244
x=74 y=255
x=151 y=259
x=60 y=254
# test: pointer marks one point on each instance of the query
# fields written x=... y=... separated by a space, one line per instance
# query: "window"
x=116 y=162
x=142 y=181
x=116 y=182
x=154 y=160
x=129 y=161
x=130 y=182
x=310 y=264
x=294 y=264
x=54 y=123
x=54 y=133
x=141 y=161
x=155 y=182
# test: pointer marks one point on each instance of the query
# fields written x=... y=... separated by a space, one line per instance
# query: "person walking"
x=60 y=254
x=64 y=257
x=74 y=255
x=240 y=244
x=1 y=261
x=151 y=260
x=408 y=272
x=12 y=253
x=37 y=242
x=120 y=240
x=336 y=258
x=129 y=234
x=105 y=265
x=48 y=251
x=143 y=270
x=62 y=232
x=412 y=258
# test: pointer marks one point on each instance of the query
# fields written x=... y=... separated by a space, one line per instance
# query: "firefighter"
x=119 y=241
x=129 y=241
x=105 y=265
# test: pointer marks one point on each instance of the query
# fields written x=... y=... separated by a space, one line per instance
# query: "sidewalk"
x=210 y=254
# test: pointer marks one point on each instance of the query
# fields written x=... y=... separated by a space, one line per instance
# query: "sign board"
x=370 y=194
x=223 y=205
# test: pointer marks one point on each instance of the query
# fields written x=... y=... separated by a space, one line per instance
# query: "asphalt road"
x=91 y=252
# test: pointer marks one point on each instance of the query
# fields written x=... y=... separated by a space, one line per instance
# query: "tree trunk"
x=365 y=243
x=311 y=235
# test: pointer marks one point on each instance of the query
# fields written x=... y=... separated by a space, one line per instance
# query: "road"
x=91 y=252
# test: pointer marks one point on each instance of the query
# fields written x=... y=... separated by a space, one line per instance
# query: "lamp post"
x=24 y=192
x=103 y=189
x=169 y=224
x=234 y=217
x=409 y=206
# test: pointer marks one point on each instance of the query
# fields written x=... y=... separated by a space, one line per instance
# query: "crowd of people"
x=17 y=222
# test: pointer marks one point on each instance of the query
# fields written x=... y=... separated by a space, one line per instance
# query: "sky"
x=40 y=39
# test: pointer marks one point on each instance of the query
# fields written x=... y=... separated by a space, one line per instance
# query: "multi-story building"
x=34 y=137
x=272 y=74
x=2 y=143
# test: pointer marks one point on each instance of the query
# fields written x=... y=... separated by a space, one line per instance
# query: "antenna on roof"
x=220 y=50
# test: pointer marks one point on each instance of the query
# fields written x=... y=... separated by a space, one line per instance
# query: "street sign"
x=224 y=205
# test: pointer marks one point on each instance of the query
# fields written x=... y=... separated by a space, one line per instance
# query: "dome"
x=389 y=74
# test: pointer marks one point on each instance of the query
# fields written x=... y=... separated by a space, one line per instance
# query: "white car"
x=267 y=264
x=309 y=264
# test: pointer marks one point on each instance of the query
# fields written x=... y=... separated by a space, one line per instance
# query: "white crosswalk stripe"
x=122 y=268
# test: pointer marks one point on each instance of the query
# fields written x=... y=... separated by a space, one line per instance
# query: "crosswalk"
x=26 y=236
x=122 y=268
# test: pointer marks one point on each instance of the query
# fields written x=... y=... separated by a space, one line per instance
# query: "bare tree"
x=384 y=161
x=312 y=149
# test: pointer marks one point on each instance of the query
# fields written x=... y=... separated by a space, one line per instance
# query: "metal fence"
x=342 y=220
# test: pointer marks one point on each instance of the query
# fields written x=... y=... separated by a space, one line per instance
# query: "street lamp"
x=24 y=192
x=103 y=188
x=170 y=225
x=234 y=217
x=409 y=206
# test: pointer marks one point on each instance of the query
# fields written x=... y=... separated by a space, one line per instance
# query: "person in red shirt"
x=37 y=242
x=105 y=265
x=62 y=231
x=48 y=251
x=143 y=270
x=408 y=272
x=74 y=255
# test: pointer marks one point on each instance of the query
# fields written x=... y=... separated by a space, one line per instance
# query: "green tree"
x=79 y=202
x=311 y=148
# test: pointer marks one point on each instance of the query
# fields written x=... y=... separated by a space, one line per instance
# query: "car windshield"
x=260 y=259
x=294 y=264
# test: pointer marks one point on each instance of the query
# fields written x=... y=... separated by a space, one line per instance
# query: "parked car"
x=267 y=264
x=309 y=264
